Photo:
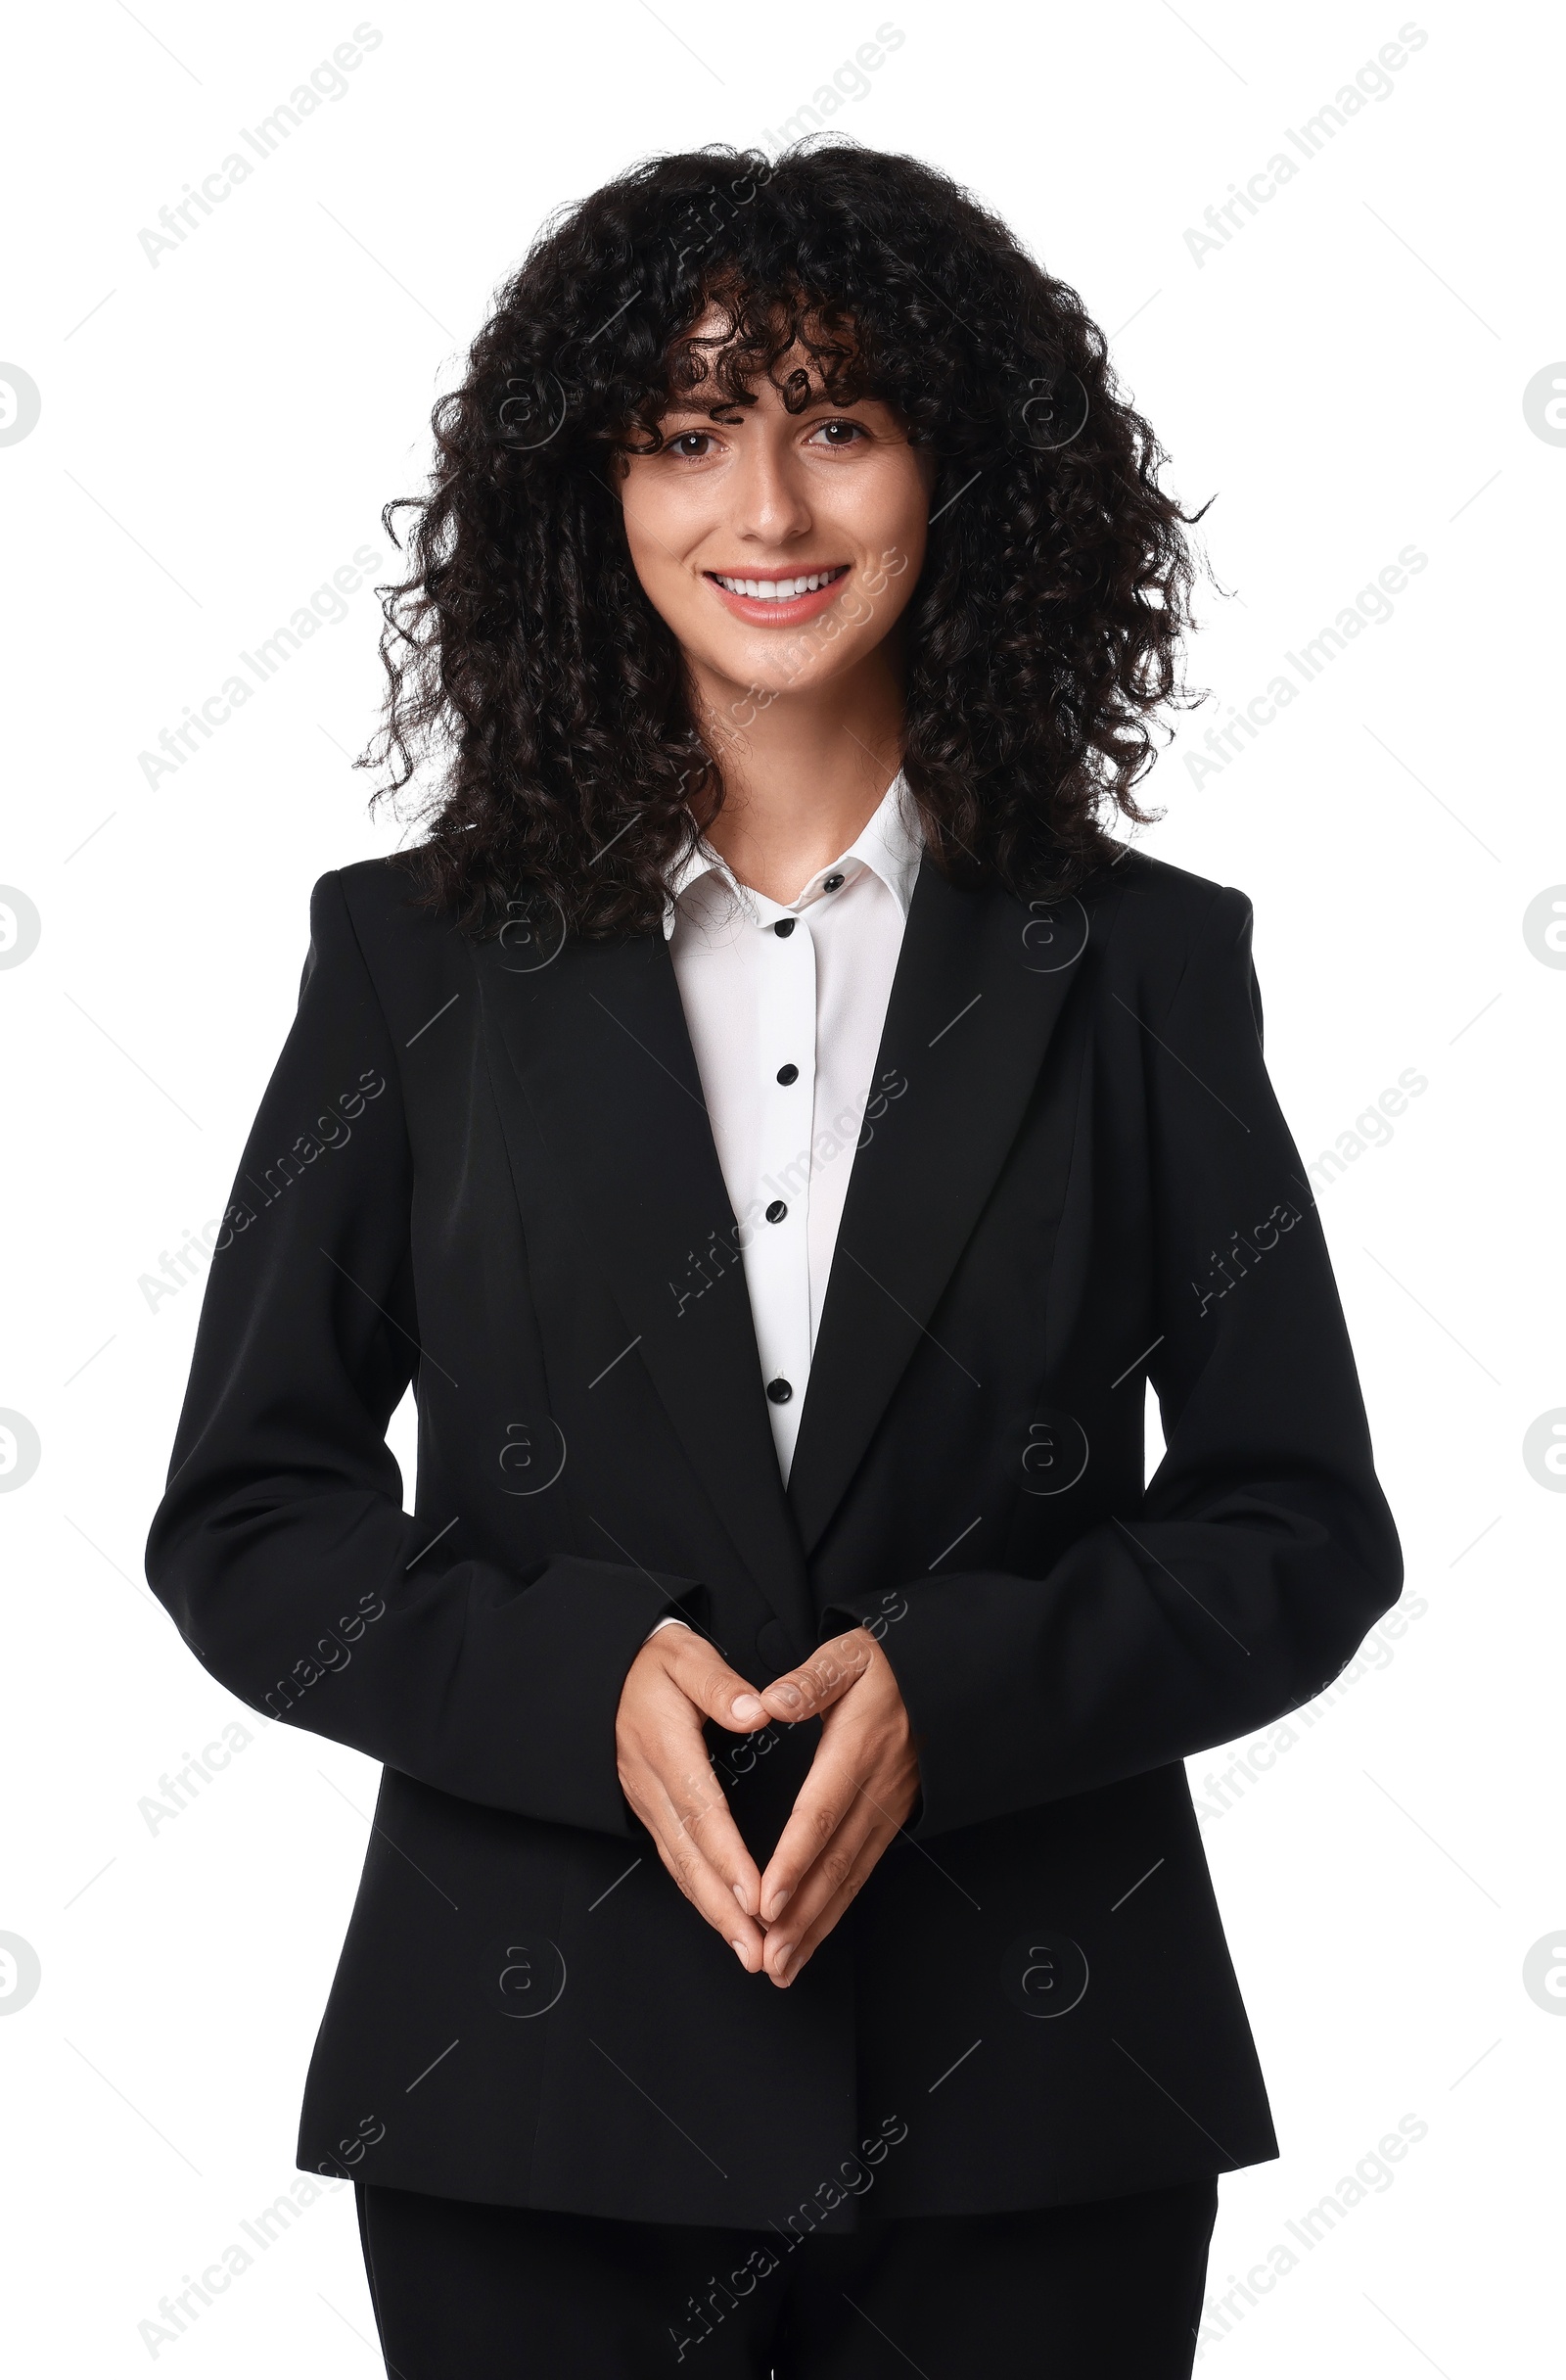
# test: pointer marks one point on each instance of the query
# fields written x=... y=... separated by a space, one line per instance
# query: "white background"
x=218 y=432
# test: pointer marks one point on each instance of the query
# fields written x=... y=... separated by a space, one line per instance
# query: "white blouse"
x=785 y=1004
x=786 y=1028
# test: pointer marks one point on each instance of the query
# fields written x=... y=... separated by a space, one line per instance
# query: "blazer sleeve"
x=1263 y=1550
x=281 y=1547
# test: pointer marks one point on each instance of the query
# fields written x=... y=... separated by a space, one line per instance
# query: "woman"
x=778 y=1130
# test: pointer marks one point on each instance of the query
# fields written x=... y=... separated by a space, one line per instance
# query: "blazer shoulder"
x=383 y=896
x=391 y=916
x=1174 y=897
x=1170 y=911
x=415 y=955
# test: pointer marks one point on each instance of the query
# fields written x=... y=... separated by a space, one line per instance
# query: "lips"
x=774 y=608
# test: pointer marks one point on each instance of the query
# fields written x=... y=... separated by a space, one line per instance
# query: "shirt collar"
x=891 y=844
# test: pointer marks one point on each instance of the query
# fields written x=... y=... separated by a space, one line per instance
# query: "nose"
x=770 y=506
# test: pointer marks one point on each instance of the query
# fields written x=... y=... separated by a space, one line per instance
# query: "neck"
x=804 y=775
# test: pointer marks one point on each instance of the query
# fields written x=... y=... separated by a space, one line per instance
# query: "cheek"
x=641 y=523
x=653 y=530
x=653 y=503
x=903 y=527
x=900 y=537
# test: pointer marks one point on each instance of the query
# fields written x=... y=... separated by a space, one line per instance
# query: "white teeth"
x=774 y=590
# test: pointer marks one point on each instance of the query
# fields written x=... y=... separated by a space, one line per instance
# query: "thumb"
x=706 y=1679
x=818 y=1683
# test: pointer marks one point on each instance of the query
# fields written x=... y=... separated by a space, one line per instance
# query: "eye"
x=855 y=431
x=683 y=447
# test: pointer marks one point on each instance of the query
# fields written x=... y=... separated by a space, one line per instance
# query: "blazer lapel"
x=595 y=1042
x=980 y=986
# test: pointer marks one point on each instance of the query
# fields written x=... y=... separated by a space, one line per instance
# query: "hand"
x=678 y=1679
x=862 y=1784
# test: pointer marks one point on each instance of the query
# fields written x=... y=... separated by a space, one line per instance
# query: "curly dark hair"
x=524 y=661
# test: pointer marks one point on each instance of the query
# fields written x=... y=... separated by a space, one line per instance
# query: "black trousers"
x=1110 y=2291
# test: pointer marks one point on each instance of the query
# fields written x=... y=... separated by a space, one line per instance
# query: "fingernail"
x=740 y=1898
x=779 y=1902
x=790 y=1694
x=780 y=1965
x=746 y=1706
x=738 y=1949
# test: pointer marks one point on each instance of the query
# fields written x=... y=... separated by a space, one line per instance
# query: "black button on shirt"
x=777 y=1211
x=829 y=884
x=779 y=1391
x=787 y=1074
x=785 y=927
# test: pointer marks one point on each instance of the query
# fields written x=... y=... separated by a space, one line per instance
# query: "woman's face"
x=834 y=496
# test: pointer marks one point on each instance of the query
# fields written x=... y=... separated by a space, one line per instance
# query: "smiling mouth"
x=780 y=590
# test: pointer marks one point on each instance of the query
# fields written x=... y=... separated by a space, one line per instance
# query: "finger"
x=827 y=1894
x=702 y=1675
x=824 y=1802
x=708 y=1894
x=686 y=1793
x=705 y=1684
x=708 y=1825
x=817 y=1684
x=691 y=1802
x=786 y=1966
x=705 y=1888
x=700 y=1848
x=825 y=1877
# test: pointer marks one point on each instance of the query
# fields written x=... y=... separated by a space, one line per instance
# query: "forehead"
x=712 y=353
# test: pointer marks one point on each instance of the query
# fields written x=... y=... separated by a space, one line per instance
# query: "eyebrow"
x=690 y=405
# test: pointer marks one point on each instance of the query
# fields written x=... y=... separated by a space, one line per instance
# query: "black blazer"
x=490 y=1171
